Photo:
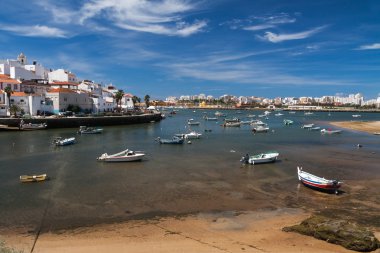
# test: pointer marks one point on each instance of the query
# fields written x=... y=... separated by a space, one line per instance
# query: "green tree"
x=14 y=109
x=118 y=97
x=136 y=99
x=9 y=92
x=147 y=100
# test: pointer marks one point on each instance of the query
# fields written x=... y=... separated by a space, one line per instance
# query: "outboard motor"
x=245 y=159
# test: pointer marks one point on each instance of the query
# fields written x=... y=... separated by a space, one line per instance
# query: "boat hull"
x=32 y=179
x=317 y=183
x=123 y=159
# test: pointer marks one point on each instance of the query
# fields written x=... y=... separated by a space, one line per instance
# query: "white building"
x=100 y=104
x=127 y=102
x=19 y=69
x=90 y=86
x=62 y=98
x=61 y=75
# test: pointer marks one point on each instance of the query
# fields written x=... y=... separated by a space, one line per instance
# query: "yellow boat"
x=34 y=178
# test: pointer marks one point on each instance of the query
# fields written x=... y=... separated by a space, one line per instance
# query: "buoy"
x=189 y=142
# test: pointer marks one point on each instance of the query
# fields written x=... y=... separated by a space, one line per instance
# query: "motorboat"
x=318 y=183
x=123 y=156
x=192 y=122
x=278 y=114
x=307 y=126
x=292 y=112
x=231 y=124
x=260 y=129
x=210 y=118
x=191 y=135
x=308 y=113
x=315 y=128
x=267 y=157
x=232 y=120
x=31 y=126
x=288 y=122
x=220 y=114
x=89 y=130
x=64 y=141
x=174 y=140
x=330 y=131
x=257 y=123
x=356 y=115
x=251 y=115
x=33 y=178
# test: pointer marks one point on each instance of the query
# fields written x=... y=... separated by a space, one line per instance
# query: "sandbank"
x=363 y=126
x=256 y=231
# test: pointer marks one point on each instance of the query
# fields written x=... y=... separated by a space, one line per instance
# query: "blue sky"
x=181 y=47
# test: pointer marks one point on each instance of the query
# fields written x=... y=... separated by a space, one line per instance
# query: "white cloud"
x=34 y=31
x=369 y=47
x=257 y=23
x=158 y=17
x=275 y=38
x=258 y=27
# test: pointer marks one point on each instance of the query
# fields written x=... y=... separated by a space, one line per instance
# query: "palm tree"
x=119 y=96
x=136 y=99
x=9 y=92
x=146 y=99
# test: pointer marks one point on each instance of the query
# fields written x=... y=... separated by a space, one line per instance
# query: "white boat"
x=278 y=114
x=315 y=129
x=231 y=124
x=192 y=122
x=292 y=112
x=64 y=141
x=308 y=113
x=257 y=123
x=318 y=183
x=260 y=129
x=307 y=126
x=267 y=113
x=123 y=156
x=330 y=131
x=251 y=115
x=246 y=122
x=210 y=118
x=219 y=114
x=267 y=157
x=31 y=126
x=356 y=115
x=191 y=135
x=89 y=130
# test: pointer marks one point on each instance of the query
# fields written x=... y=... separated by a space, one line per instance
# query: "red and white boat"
x=318 y=183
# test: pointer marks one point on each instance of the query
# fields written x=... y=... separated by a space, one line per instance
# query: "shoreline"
x=229 y=231
x=370 y=127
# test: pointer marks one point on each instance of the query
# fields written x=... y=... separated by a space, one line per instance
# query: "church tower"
x=22 y=59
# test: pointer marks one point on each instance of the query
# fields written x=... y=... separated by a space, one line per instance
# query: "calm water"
x=175 y=179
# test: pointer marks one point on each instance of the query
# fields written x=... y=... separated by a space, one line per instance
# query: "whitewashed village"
x=34 y=90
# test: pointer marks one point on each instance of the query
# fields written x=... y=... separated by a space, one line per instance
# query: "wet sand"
x=363 y=126
x=258 y=231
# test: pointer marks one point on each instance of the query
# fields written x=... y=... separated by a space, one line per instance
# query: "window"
x=22 y=101
x=15 y=86
x=65 y=99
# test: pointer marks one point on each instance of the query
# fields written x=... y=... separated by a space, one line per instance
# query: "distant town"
x=33 y=90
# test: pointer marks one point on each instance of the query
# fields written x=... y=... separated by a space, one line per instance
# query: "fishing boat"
x=318 y=183
x=260 y=129
x=89 y=130
x=64 y=141
x=231 y=124
x=330 y=131
x=288 y=122
x=268 y=157
x=123 y=156
x=307 y=126
x=31 y=126
x=232 y=120
x=33 y=178
x=191 y=122
x=174 y=140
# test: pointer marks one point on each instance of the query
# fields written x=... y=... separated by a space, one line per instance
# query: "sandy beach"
x=258 y=231
x=363 y=126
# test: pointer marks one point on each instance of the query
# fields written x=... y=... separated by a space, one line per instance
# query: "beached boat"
x=376 y=133
x=174 y=140
x=260 y=129
x=64 y=141
x=123 y=156
x=89 y=130
x=307 y=126
x=30 y=126
x=288 y=122
x=192 y=122
x=318 y=183
x=267 y=157
x=33 y=178
x=231 y=124
x=330 y=131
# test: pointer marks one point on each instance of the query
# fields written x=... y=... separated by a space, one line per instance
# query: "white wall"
x=21 y=73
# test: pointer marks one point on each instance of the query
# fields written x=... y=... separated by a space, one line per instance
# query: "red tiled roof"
x=19 y=94
x=61 y=90
x=7 y=79
x=128 y=95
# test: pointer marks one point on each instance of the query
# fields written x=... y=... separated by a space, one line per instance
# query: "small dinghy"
x=64 y=141
x=318 y=183
x=33 y=178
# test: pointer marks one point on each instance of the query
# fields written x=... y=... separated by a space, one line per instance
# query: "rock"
x=342 y=232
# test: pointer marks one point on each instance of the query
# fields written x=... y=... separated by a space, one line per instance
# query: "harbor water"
x=203 y=176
